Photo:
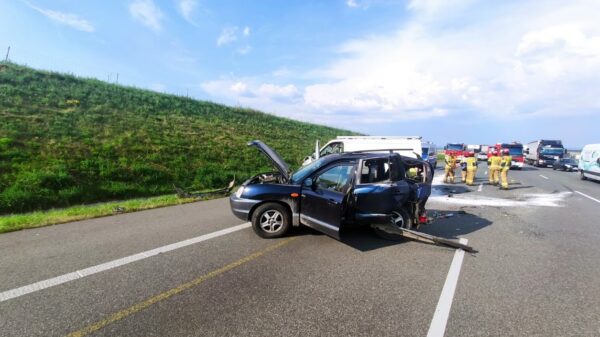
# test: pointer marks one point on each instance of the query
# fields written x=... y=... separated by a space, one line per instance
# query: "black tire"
x=553 y=168
x=581 y=176
x=271 y=220
x=405 y=221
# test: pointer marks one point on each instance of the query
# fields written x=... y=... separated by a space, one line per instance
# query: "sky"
x=476 y=72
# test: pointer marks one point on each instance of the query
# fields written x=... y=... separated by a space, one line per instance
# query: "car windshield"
x=515 y=151
x=305 y=171
x=455 y=147
x=552 y=151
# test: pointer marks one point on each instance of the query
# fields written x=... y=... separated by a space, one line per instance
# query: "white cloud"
x=244 y=50
x=529 y=60
x=246 y=31
x=186 y=9
x=510 y=61
x=228 y=35
x=147 y=13
x=71 y=20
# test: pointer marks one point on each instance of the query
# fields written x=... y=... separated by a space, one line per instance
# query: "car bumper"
x=241 y=207
x=517 y=164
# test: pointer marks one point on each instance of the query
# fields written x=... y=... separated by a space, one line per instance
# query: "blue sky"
x=463 y=71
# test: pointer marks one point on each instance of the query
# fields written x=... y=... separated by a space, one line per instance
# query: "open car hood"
x=277 y=161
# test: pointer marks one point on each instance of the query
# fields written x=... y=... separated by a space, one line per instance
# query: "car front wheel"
x=271 y=220
x=581 y=176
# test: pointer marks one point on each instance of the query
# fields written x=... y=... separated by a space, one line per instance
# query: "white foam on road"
x=543 y=176
x=480 y=188
x=526 y=200
x=442 y=310
x=30 y=288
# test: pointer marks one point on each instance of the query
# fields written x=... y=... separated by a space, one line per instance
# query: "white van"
x=407 y=146
x=589 y=162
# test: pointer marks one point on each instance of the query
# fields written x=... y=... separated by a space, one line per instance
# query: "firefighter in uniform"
x=449 y=168
x=505 y=163
x=494 y=167
x=471 y=164
x=463 y=169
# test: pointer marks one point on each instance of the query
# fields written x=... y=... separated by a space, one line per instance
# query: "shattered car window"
x=375 y=170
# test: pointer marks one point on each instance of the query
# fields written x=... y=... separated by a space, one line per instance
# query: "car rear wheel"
x=400 y=218
x=271 y=220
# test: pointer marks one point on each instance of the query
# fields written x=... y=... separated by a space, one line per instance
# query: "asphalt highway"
x=537 y=272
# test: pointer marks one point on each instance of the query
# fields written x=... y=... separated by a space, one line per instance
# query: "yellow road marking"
x=171 y=292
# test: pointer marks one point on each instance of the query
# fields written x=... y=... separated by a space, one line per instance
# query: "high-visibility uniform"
x=494 y=169
x=504 y=167
x=471 y=169
x=449 y=169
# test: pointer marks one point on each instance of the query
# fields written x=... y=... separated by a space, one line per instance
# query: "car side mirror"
x=310 y=184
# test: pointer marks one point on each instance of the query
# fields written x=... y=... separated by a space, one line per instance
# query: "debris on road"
x=203 y=194
x=422 y=237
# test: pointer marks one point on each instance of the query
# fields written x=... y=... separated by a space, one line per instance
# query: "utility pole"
x=7 y=53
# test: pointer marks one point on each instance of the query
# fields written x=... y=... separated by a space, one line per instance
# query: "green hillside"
x=66 y=140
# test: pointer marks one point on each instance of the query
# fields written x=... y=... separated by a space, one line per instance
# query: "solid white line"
x=442 y=311
x=30 y=288
x=587 y=196
x=543 y=176
x=480 y=188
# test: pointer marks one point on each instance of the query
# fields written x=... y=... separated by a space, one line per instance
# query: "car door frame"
x=327 y=200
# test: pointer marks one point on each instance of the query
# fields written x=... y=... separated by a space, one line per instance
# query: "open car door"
x=380 y=188
x=324 y=198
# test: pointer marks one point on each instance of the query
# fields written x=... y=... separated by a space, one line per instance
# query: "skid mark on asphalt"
x=442 y=311
x=30 y=288
x=117 y=316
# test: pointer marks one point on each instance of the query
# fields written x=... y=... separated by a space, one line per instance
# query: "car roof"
x=362 y=155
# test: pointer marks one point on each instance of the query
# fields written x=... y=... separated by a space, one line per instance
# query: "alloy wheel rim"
x=271 y=221
x=398 y=220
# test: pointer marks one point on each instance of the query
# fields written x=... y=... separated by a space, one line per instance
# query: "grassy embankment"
x=67 y=141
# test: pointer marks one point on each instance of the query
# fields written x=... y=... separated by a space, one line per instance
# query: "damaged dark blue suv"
x=334 y=192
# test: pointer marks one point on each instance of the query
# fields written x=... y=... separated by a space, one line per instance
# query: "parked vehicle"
x=565 y=164
x=410 y=146
x=515 y=149
x=429 y=153
x=458 y=149
x=589 y=162
x=544 y=152
x=483 y=153
x=335 y=191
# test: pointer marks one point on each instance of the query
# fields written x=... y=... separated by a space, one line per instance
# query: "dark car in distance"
x=565 y=164
x=334 y=192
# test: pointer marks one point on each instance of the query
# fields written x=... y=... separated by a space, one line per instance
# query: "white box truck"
x=410 y=146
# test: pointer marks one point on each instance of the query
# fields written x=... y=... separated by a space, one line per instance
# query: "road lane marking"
x=30 y=288
x=442 y=311
x=543 y=176
x=587 y=196
x=480 y=188
x=119 y=315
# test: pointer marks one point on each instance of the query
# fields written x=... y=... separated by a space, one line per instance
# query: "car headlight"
x=239 y=191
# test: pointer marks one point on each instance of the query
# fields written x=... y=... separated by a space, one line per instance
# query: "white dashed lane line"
x=587 y=196
x=442 y=311
x=543 y=176
x=30 y=288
